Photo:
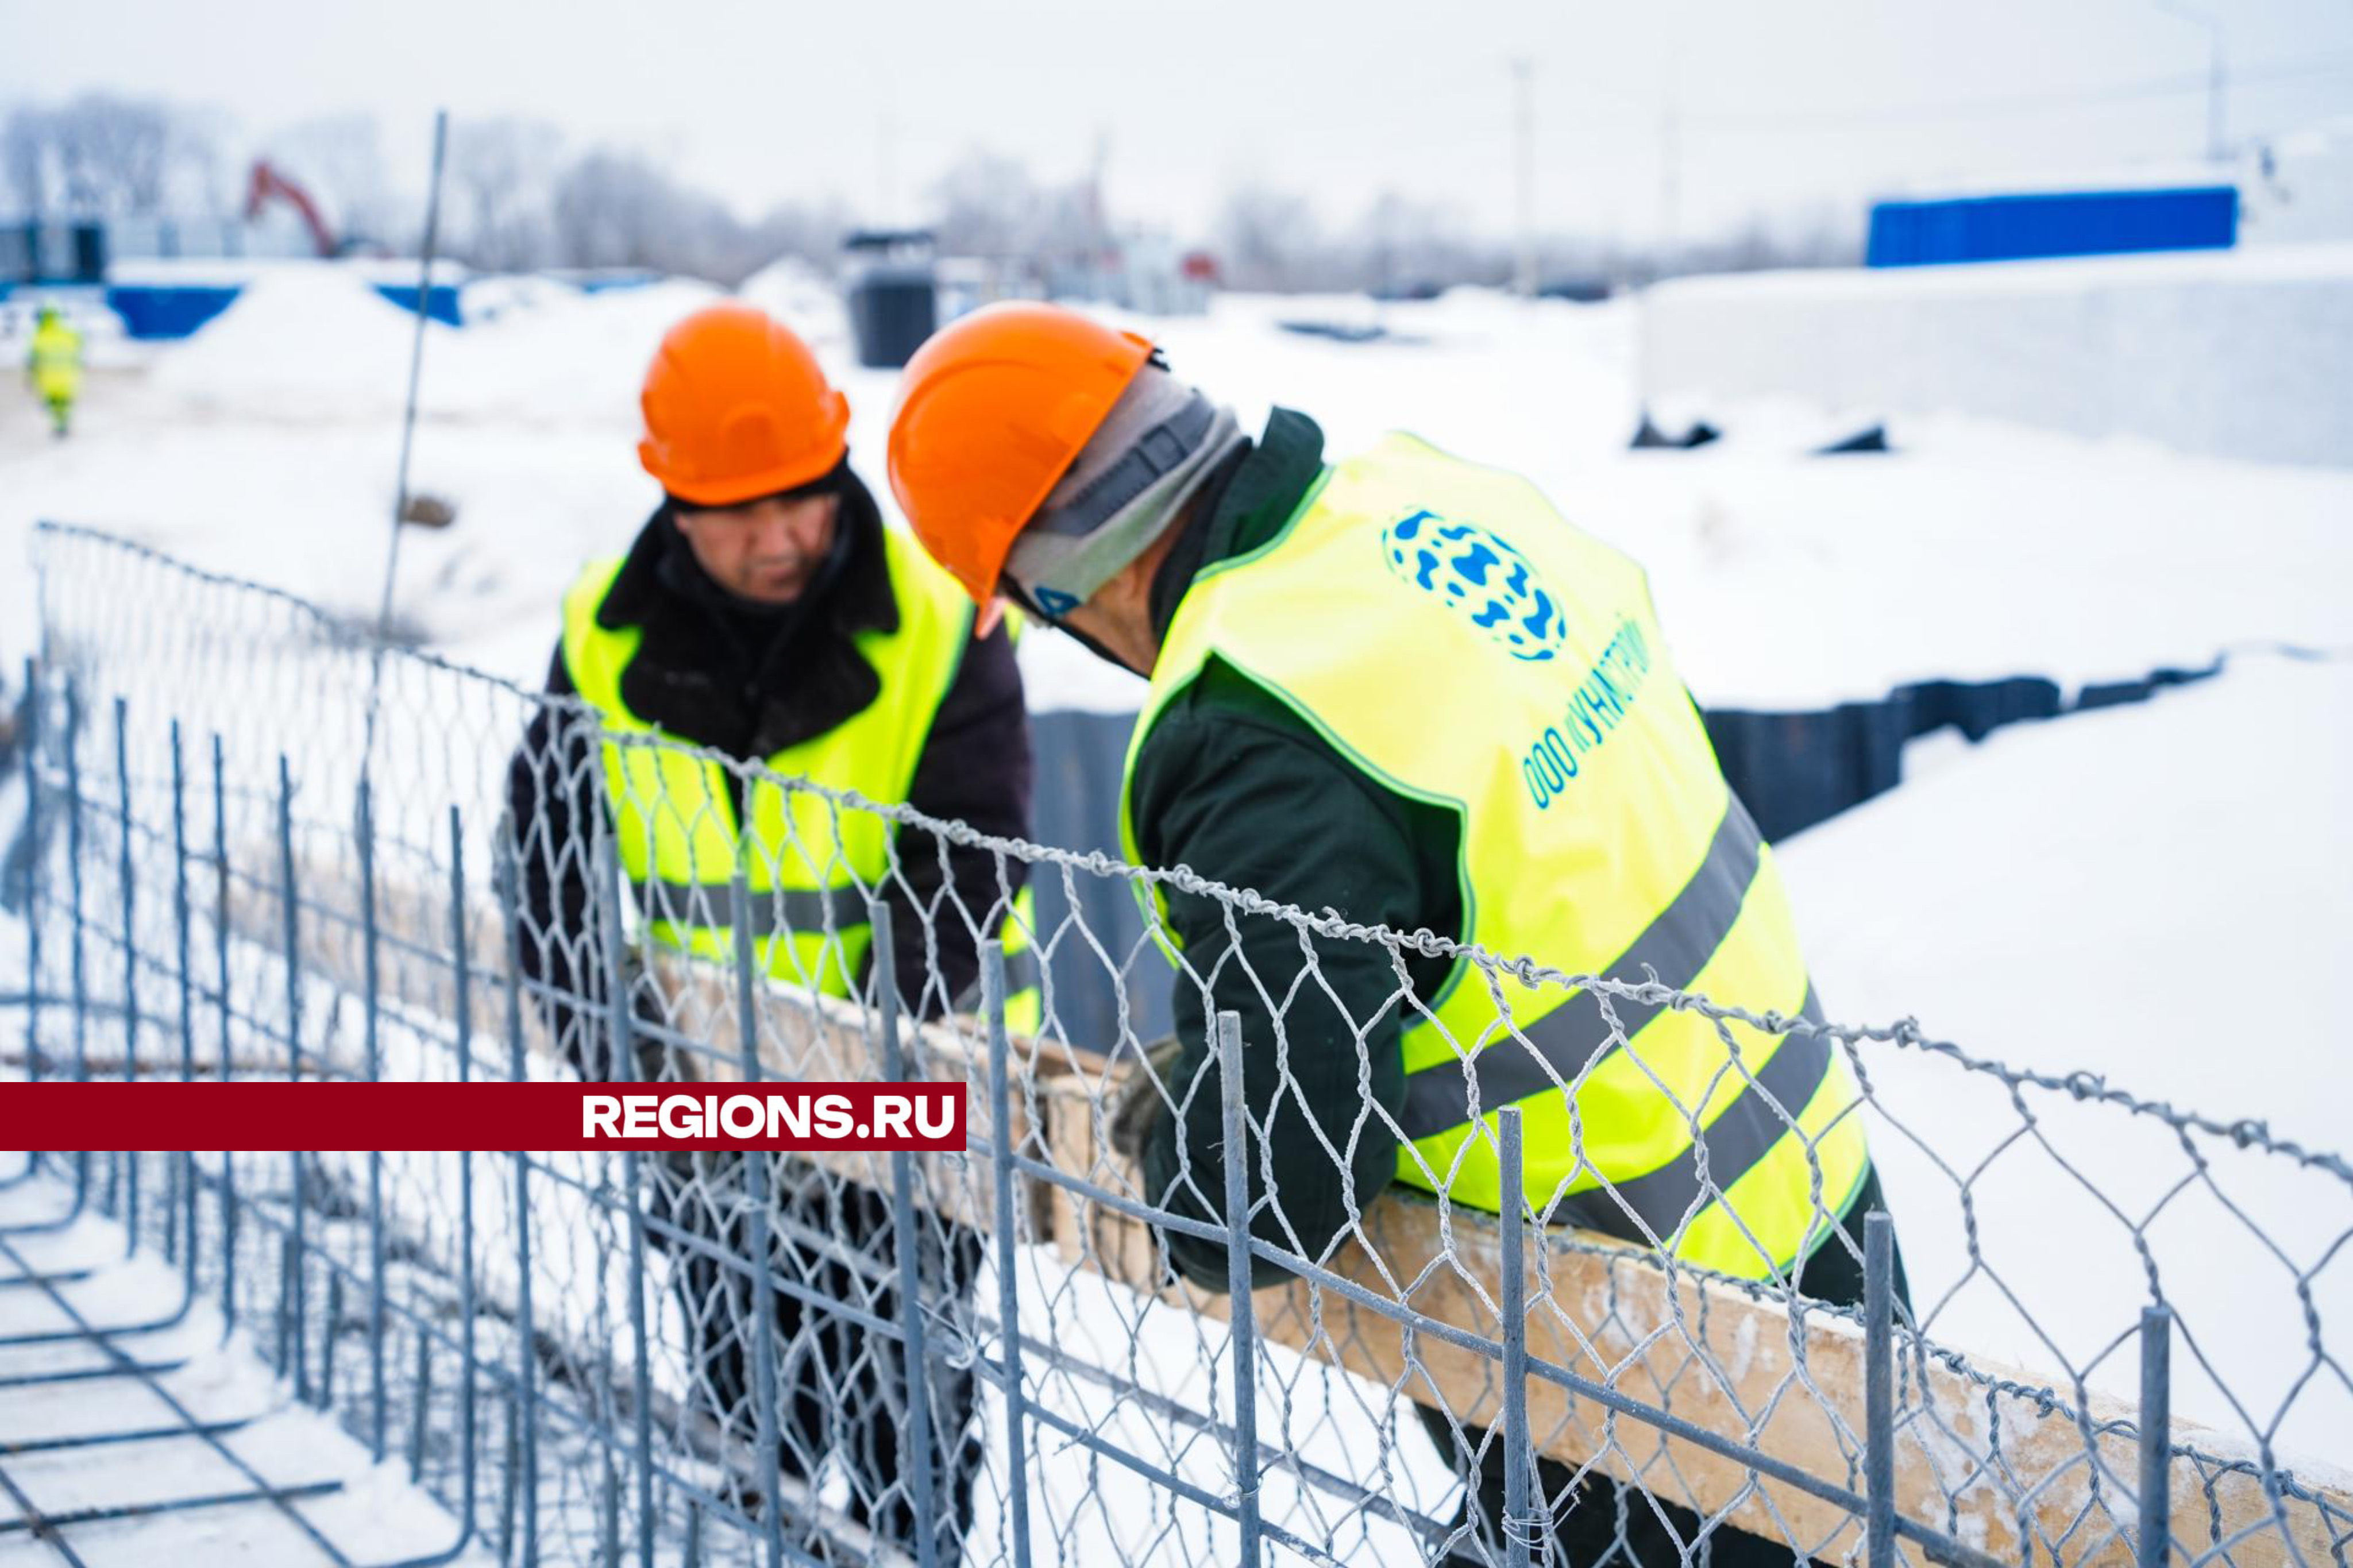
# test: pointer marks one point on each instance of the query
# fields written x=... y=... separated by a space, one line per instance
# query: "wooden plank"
x=1709 y=1352
x=1730 y=1365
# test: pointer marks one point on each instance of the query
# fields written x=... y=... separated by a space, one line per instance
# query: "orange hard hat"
x=998 y=405
x=737 y=408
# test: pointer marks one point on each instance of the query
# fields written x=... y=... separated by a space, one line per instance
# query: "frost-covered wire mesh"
x=259 y=845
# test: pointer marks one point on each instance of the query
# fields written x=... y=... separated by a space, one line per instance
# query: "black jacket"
x=750 y=685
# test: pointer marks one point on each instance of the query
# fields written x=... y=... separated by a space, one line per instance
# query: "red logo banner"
x=794 y=1117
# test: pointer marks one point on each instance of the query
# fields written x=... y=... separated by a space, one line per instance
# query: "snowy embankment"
x=2233 y=353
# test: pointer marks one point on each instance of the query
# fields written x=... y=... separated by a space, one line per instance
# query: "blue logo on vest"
x=1475 y=574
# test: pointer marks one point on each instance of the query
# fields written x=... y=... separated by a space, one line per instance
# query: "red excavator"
x=266 y=185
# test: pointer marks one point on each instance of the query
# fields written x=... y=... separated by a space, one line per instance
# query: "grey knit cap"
x=1160 y=442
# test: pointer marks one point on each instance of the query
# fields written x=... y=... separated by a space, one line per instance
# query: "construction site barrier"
x=259 y=845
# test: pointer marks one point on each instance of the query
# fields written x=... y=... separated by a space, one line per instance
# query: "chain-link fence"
x=256 y=844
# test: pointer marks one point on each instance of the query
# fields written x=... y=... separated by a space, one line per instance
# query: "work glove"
x=1136 y=1108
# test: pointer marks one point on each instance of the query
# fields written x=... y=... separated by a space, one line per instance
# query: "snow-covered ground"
x=368 y=1510
x=2157 y=893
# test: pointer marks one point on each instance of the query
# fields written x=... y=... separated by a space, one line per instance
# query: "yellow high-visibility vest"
x=810 y=865
x=56 y=362
x=1447 y=631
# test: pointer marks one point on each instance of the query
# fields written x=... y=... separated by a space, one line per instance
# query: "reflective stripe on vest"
x=1444 y=629
x=811 y=865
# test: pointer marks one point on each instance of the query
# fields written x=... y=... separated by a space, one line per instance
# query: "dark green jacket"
x=1232 y=784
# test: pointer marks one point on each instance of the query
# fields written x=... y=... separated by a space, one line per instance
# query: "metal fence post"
x=180 y=906
x=1519 y=1524
x=1879 y=1386
x=461 y=981
x=76 y=949
x=2156 y=1537
x=1244 y=1338
x=621 y=1021
x=35 y=856
x=371 y=985
x=221 y=1009
x=505 y=857
x=126 y=894
x=289 y=893
x=185 y=1161
x=766 y=1396
x=1008 y=1273
x=123 y=1167
x=914 y=1349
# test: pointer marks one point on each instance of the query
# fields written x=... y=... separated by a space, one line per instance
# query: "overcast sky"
x=1784 y=104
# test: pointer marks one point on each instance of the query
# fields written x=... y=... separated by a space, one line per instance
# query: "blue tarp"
x=177 y=310
x=167 y=311
x=2065 y=223
x=440 y=299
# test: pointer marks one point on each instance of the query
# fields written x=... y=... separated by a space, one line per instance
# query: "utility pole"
x=1099 y=249
x=2217 y=75
x=886 y=157
x=1670 y=151
x=1524 y=138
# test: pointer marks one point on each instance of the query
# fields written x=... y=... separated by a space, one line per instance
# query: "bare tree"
x=811 y=233
x=339 y=159
x=615 y=209
x=1267 y=239
x=502 y=179
x=991 y=205
x=101 y=155
x=25 y=161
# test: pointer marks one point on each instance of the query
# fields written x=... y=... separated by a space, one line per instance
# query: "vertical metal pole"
x=127 y=895
x=327 y=1346
x=288 y=895
x=1009 y=1276
x=184 y=1163
x=526 y=1402
x=123 y=1166
x=188 y=996
x=76 y=954
x=621 y=1023
x=915 y=1356
x=1519 y=1524
x=506 y=1470
x=766 y=1394
x=2155 y=1540
x=372 y=1003
x=1879 y=1386
x=1238 y=1283
x=461 y=976
x=220 y=979
x=36 y=844
x=424 y=1404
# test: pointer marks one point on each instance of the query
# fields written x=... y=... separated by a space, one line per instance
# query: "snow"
x=2237 y=353
x=268 y=355
x=2154 y=893
x=376 y=1515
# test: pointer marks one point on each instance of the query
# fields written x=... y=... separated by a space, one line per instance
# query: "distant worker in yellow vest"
x=1401 y=686
x=766 y=615
x=54 y=367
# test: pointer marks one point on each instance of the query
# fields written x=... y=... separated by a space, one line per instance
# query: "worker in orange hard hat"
x=1402 y=689
x=764 y=614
